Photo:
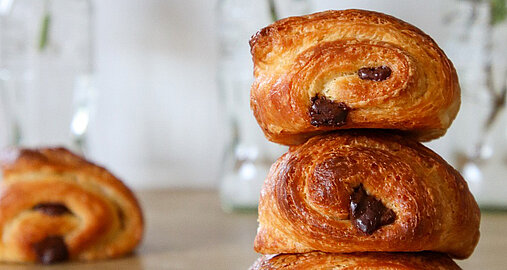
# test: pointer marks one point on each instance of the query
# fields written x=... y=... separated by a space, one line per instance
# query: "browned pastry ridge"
x=56 y=206
x=356 y=261
x=350 y=69
x=360 y=191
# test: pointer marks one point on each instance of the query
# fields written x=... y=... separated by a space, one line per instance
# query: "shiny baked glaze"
x=304 y=204
x=104 y=221
x=298 y=58
x=356 y=261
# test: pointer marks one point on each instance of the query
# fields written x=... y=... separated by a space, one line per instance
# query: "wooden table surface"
x=188 y=230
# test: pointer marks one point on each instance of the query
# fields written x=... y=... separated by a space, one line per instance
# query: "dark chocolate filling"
x=367 y=213
x=374 y=73
x=325 y=112
x=52 y=209
x=51 y=249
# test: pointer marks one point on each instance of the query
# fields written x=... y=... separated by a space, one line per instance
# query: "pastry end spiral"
x=56 y=206
x=350 y=69
x=364 y=191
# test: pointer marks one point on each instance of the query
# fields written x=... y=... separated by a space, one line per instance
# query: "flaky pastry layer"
x=305 y=203
x=51 y=193
x=356 y=261
x=344 y=56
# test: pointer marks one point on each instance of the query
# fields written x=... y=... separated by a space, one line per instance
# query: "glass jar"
x=46 y=82
x=248 y=155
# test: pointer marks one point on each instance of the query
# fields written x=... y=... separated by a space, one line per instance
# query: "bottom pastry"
x=374 y=260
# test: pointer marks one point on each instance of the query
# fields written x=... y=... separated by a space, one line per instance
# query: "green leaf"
x=498 y=11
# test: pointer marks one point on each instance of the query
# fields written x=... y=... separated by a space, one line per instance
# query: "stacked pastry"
x=353 y=93
x=56 y=206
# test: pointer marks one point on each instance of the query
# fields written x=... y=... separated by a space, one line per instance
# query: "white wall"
x=158 y=120
x=158 y=113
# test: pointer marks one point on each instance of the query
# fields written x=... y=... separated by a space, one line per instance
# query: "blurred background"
x=157 y=90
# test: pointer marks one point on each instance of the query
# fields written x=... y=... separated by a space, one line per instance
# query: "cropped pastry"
x=56 y=206
x=350 y=69
x=359 y=191
x=367 y=261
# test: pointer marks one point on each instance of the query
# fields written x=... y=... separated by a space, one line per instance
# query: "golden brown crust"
x=105 y=219
x=305 y=200
x=298 y=58
x=356 y=261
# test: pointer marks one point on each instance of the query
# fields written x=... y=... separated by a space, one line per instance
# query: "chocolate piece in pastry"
x=366 y=261
x=359 y=191
x=350 y=69
x=55 y=206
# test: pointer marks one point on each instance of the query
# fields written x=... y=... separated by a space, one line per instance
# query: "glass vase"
x=46 y=71
x=476 y=38
x=248 y=155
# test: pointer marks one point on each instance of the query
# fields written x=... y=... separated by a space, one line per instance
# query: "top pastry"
x=350 y=69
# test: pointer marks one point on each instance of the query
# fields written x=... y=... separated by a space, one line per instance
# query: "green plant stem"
x=44 y=30
x=272 y=10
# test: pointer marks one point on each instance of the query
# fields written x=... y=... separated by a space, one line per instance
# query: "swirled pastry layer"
x=56 y=206
x=356 y=261
x=360 y=191
x=350 y=69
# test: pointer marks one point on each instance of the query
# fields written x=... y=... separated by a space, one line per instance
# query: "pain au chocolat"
x=55 y=206
x=350 y=69
x=367 y=261
x=361 y=191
